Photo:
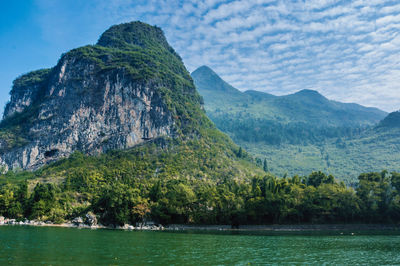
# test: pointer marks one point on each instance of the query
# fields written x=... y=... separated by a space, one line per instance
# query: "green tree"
x=265 y=166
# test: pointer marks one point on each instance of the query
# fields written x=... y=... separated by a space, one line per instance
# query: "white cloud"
x=348 y=50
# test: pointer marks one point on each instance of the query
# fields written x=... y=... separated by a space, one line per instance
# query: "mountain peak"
x=206 y=79
x=206 y=71
x=391 y=120
x=129 y=35
x=308 y=92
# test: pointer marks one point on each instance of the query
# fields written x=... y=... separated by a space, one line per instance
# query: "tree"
x=265 y=166
x=41 y=201
x=374 y=191
x=318 y=178
x=240 y=153
x=116 y=205
x=140 y=211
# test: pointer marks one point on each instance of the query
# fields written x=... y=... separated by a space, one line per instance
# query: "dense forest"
x=244 y=128
x=117 y=196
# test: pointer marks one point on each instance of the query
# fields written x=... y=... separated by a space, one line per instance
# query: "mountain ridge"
x=304 y=93
x=304 y=131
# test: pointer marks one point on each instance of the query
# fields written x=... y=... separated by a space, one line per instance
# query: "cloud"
x=348 y=50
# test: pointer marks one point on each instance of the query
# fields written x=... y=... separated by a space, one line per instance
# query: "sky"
x=349 y=51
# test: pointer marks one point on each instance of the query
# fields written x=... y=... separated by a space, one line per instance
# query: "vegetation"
x=302 y=132
x=344 y=158
x=31 y=79
x=305 y=107
x=150 y=184
x=245 y=128
x=197 y=175
x=196 y=151
x=132 y=178
x=392 y=120
x=14 y=129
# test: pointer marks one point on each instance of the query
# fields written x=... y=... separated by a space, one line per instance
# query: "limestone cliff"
x=123 y=91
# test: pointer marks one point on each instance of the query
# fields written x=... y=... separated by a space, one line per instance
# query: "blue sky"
x=347 y=50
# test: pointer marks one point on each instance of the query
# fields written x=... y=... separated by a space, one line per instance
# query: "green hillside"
x=304 y=131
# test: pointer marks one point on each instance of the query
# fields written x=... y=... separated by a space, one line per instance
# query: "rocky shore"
x=90 y=222
x=79 y=222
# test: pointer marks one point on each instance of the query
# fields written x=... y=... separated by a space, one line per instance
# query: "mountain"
x=129 y=88
x=302 y=132
x=306 y=106
x=392 y=120
x=204 y=77
x=299 y=118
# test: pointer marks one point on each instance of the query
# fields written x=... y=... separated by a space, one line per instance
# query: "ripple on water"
x=37 y=245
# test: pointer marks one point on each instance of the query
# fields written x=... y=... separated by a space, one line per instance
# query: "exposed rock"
x=126 y=114
x=77 y=221
x=11 y=221
x=90 y=219
x=88 y=104
x=27 y=90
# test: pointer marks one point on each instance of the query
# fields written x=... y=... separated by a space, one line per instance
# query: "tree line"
x=264 y=199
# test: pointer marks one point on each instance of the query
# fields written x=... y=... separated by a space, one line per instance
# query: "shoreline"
x=13 y=222
x=290 y=228
x=227 y=228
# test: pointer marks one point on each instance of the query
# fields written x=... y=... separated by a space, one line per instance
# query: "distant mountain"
x=304 y=131
x=392 y=120
x=305 y=106
x=206 y=79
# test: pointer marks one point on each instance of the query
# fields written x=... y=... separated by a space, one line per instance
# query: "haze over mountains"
x=304 y=131
x=305 y=106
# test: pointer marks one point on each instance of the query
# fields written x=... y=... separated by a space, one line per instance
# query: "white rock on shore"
x=79 y=223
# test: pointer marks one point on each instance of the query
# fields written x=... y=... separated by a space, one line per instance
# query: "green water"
x=69 y=246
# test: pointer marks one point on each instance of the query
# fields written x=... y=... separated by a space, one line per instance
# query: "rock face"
x=95 y=99
x=26 y=90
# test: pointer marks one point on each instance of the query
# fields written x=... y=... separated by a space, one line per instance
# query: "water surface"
x=70 y=246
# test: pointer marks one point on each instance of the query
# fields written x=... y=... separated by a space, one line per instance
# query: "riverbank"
x=5 y=222
x=183 y=227
x=291 y=228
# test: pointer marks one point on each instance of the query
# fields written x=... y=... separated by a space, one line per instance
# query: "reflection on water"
x=45 y=245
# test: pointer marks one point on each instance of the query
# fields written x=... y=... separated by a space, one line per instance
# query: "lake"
x=71 y=246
